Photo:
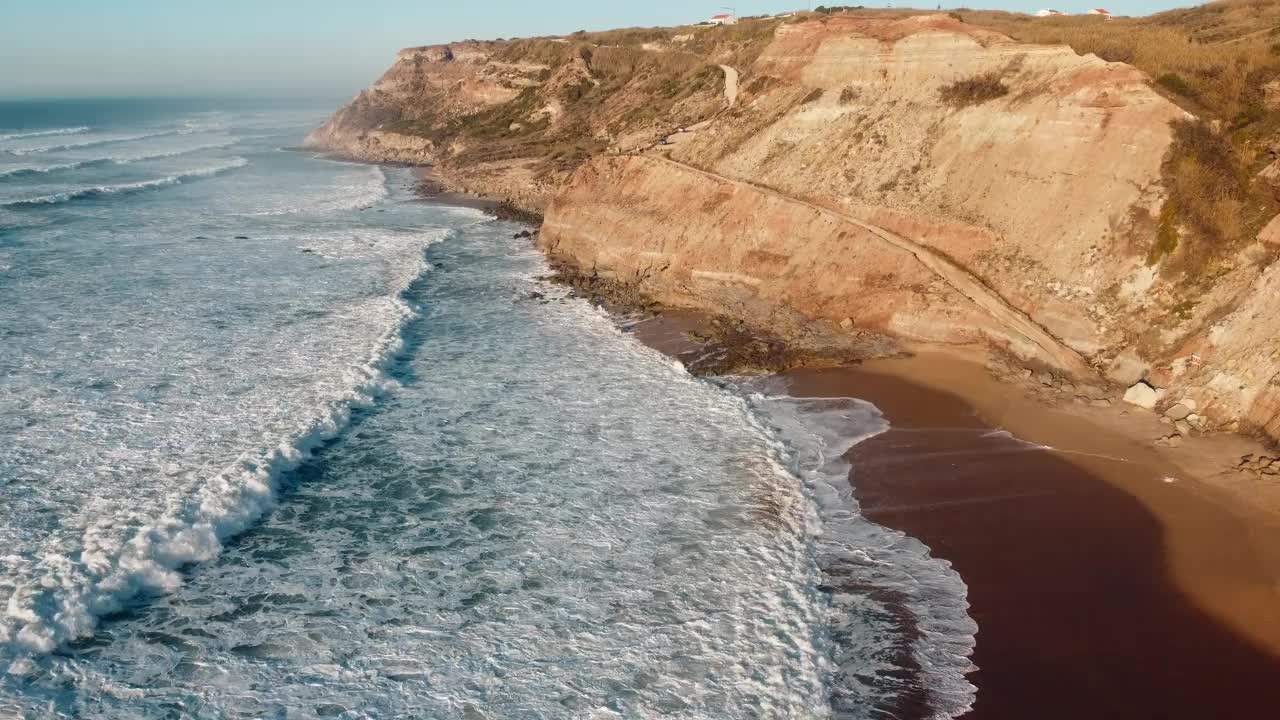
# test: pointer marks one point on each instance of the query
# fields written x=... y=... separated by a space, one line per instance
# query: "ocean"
x=278 y=439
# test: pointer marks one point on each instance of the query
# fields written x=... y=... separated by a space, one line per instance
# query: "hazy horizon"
x=316 y=50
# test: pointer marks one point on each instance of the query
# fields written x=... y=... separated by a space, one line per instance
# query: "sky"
x=318 y=48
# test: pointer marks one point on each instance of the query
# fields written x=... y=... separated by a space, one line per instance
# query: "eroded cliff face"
x=513 y=119
x=916 y=177
x=731 y=247
x=1047 y=192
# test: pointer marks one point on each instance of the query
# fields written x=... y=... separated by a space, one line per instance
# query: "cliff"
x=914 y=176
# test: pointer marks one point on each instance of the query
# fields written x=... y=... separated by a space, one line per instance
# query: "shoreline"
x=1100 y=588
x=432 y=188
x=1109 y=577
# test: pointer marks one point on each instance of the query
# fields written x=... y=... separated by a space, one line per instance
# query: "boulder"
x=1100 y=403
x=1183 y=427
x=1045 y=378
x=1143 y=395
x=847 y=323
x=1178 y=412
x=1128 y=368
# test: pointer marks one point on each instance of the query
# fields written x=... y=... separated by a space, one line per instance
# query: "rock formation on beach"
x=921 y=177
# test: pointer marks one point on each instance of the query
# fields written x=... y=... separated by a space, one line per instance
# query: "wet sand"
x=1101 y=589
x=1106 y=580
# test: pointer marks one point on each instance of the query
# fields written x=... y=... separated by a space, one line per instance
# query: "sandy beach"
x=1109 y=578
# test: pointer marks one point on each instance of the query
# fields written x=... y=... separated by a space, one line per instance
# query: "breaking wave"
x=90 y=142
x=61 y=597
x=97 y=162
x=102 y=190
x=44 y=133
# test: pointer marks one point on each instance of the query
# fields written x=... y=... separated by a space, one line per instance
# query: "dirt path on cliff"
x=958 y=277
x=730 y=85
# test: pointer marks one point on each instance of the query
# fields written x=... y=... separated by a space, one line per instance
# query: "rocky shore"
x=722 y=344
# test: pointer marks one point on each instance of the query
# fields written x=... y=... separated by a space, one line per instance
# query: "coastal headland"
x=1001 y=236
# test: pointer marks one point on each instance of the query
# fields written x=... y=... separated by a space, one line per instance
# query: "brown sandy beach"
x=1108 y=580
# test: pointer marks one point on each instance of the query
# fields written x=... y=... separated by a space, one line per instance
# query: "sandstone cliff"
x=914 y=176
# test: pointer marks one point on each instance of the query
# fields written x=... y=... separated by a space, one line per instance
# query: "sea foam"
x=61 y=594
x=813 y=436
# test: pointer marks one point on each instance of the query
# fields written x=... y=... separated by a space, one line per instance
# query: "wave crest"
x=45 y=133
x=102 y=190
x=96 y=162
x=89 y=142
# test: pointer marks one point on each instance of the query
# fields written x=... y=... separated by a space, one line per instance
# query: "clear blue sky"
x=316 y=48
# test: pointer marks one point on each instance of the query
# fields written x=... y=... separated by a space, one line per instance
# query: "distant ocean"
x=279 y=440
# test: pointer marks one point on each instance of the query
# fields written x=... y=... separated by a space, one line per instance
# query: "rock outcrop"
x=916 y=177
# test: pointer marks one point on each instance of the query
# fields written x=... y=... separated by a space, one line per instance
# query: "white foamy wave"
x=101 y=190
x=44 y=133
x=88 y=142
x=58 y=594
x=121 y=160
x=813 y=436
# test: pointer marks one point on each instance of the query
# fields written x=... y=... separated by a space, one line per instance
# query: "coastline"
x=433 y=188
x=1108 y=577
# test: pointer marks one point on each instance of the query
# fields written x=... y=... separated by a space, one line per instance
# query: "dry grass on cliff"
x=1214 y=60
x=973 y=91
x=624 y=88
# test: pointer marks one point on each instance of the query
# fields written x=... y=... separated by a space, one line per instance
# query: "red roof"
x=719 y=17
x=1100 y=11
